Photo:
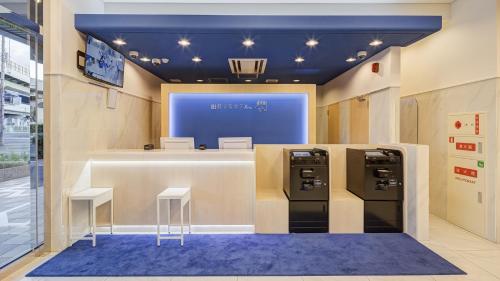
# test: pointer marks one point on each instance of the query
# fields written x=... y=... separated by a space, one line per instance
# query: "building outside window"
x=21 y=133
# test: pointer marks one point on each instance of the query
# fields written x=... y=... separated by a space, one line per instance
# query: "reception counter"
x=241 y=190
x=222 y=186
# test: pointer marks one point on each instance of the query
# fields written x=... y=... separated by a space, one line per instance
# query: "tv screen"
x=103 y=63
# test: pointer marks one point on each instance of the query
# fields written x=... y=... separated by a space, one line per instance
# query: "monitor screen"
x=301 y=153
x=374 y=153
x=103 y=63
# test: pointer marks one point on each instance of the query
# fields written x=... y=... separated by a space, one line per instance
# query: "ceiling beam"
x=283 y=1
x=168 y=8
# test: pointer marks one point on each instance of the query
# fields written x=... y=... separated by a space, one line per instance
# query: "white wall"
x=77 y=120
x=383 y=91
x=457 y=70
x=360 y=80
x=465 y=50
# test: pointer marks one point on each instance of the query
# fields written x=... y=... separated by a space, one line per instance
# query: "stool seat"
x=95 y=196
x=183 y=194
x=175 y=193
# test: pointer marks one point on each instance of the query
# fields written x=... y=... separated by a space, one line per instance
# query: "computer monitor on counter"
x=176 y=143
x=235 y=143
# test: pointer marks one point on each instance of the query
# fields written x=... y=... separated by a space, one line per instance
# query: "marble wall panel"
x=82 y=123
x=409 y=120
x=433 y=110
x=384 y=116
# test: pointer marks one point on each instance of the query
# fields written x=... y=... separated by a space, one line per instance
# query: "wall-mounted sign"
x=278 y=118
x=259 y=105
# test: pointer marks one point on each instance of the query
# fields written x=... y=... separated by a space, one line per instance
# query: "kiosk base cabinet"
x=308 y=216
x=383 y=216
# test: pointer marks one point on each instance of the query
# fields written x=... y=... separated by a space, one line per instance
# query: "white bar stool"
x=95 y=196
x=173 y=193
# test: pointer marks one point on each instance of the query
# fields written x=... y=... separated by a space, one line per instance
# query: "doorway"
x=21 y=142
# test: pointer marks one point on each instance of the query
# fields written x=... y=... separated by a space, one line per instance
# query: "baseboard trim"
x=196 y=229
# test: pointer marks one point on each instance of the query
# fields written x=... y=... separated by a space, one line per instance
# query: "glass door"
x=21 y=142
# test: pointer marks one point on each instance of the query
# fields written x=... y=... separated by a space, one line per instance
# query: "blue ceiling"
x=278 y=38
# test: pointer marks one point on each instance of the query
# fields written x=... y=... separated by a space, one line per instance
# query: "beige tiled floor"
x=478 y=257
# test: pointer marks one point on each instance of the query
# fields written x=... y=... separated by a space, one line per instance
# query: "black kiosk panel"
x=306 y=184
x=376 y=176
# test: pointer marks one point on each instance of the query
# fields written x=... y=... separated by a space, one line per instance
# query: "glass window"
x=21 y=142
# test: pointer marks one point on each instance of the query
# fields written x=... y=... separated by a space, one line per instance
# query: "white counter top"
x=174 y=155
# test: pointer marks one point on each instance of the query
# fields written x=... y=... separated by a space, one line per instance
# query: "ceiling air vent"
x=218 y=80
x=272 y=81
x=247 y=68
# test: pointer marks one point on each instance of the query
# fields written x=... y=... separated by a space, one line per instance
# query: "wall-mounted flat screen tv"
x=103 y=63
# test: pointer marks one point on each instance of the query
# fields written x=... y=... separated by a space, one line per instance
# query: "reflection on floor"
x=478 y=257
x=17 y=229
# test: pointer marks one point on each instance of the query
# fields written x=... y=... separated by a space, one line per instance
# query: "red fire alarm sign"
x=375 y=67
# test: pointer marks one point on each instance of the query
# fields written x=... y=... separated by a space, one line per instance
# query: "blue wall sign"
x=267 y=118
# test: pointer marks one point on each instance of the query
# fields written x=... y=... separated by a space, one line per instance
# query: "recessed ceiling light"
x=145 y=59
x=299 y=59
x=248 y=42
x=199 y=80
x=376 y=43
x=184 y=42
x=196 y=59
x=119 y=42
x=312 y=43
x=296 y=80
x=351 y=59
x=248 y=80
x=165 y=60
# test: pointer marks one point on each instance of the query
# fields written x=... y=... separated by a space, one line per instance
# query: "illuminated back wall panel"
x=267 y=118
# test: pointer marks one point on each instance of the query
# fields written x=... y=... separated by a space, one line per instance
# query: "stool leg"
x=168 y=216
x=89 y=205
x=182 y=225
x=93 y=224
x=70 y=222
x=157 y=222
x=112 y=215
x=189 y=216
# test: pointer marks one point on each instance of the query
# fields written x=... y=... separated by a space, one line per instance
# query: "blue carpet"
x=252 y=254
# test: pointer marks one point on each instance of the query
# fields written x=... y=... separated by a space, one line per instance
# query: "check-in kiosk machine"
x=376 y=176
x=306 y=184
